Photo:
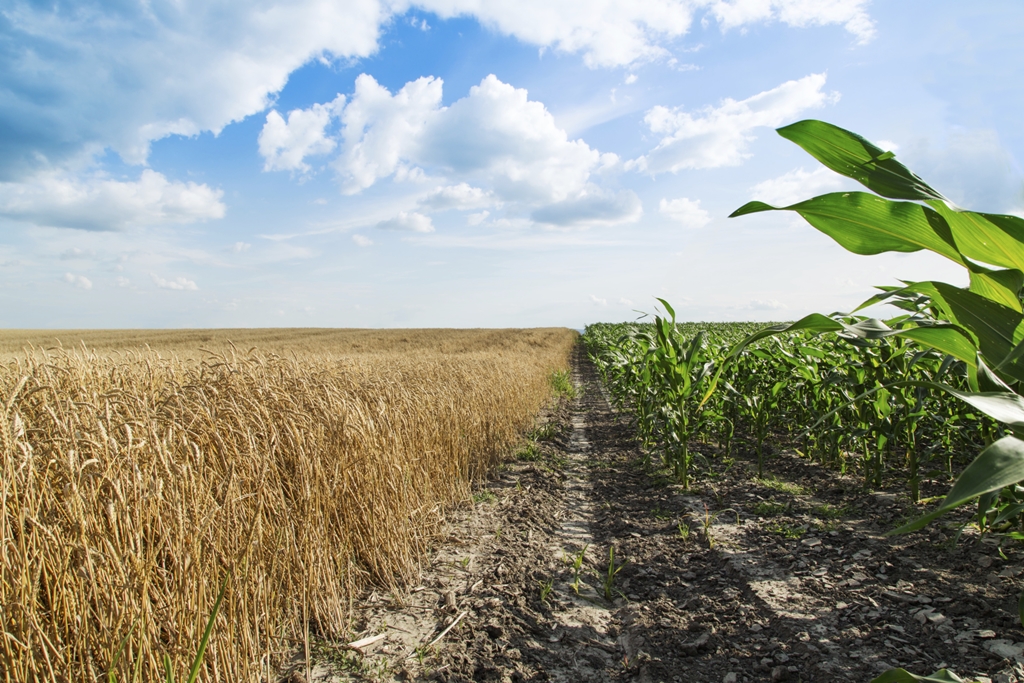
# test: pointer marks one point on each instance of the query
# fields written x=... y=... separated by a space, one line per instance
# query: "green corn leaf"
x=1000 y=286
x=1003 y=406
x=854 y=157
x=948 y=339
x=994 y=329
x=997 y=328
x=995 y=239
x=1000 y=464
x=867 y=224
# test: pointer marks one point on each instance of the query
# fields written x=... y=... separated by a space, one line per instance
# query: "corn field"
x=932 y=392
x=134 y=484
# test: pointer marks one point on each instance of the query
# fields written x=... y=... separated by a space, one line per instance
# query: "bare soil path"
x=786 y=578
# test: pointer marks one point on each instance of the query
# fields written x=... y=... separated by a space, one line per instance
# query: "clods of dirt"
x=582 y=562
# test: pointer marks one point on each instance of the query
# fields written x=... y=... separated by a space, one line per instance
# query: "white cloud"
x=718 y=136
x=121 y=75
x=122 y=281
x=606 y=33
x=240 y=247
x=598 y=300
x=494 y=137
x=461 y=196
x=765 y=305
x=593 y=207
x=381 y=131
x=851 y=14
x=285 y=144
x=477 y=218
x=179 y=283
x=411 y=222
x=80 y=281
x=513 y=144
x=99 y=203
x=887 y=145
x=798 y=185
x=362 y=240
x=624 y=301
x=630 y=79
x=685 y=211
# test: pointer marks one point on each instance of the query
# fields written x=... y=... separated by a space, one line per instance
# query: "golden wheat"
x=131 y=484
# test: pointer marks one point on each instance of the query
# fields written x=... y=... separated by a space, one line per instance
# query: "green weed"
x=779 y=485
x=484 y=496
x=769 y=508
x=561 y=383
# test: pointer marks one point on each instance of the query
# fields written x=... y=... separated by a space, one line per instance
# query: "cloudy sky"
x=435 y=163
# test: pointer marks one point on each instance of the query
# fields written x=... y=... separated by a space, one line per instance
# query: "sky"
x=473 y=163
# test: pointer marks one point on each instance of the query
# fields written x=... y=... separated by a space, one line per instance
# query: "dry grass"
x=131 y=484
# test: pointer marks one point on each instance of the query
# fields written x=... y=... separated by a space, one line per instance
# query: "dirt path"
x=786 y=578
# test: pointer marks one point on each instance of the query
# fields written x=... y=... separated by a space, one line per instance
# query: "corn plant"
x=982 y=325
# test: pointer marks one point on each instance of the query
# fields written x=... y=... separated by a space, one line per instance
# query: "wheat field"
x=140 y=469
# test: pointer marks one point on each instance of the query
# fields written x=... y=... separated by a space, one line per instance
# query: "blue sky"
x=459 y=163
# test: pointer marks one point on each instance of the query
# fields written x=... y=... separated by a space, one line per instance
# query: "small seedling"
x=684 y=531
x=768 y=508
x=786 y=530
x=577 y=568
x=609 y=579
x=529 y=452
x=709 y=520
x=484 y=496
x=658 y=513
x=545 y=589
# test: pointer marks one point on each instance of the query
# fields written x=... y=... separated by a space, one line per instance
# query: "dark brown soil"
x=785 y=578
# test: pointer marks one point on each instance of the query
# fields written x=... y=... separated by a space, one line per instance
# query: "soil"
x=781 y=578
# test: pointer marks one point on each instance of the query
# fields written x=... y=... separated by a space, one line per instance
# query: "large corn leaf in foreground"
x=981 y=326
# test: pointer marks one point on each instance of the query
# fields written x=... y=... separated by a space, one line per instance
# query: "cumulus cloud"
x=495 y=136
x=798 y=185
x=593 y=207
x=851 y=14
x=606 y=34
x=179 y=283
x=497 y=133
x=462 y=196
x=122 y=281
x=121 y=75
x=362 y=240
x=284 y=145
x=409 y=222
x=686 y=212
x=98 y=203
x=80 y=281
x=719 y=136
x=598 y=300
x=382 y=131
